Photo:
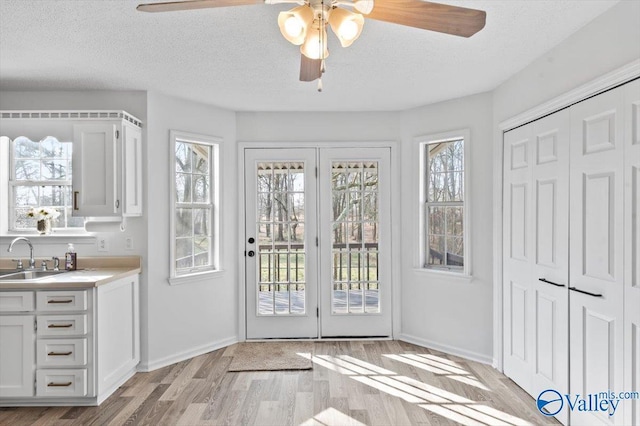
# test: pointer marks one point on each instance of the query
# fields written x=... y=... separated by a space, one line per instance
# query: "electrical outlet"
x=103 y=244
x=128 y=243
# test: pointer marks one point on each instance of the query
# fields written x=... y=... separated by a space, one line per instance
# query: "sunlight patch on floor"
x=436 y=366
x=331 y=417
x=431 y=398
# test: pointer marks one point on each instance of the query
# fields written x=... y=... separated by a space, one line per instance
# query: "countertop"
x=93 y=272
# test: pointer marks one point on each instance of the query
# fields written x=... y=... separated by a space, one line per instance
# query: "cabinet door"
x=118 y=331
x=95 y=170
x=132 y=170
x=596 y=247
x=17 y=355
x=632 y=251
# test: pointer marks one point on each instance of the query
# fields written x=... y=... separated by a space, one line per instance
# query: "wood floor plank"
x=351 y=383
x=192 y=415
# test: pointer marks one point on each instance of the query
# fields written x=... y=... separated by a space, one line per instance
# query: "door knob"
x=251 y=253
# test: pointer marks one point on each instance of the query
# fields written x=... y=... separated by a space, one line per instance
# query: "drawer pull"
x=59 y=353
x=60 y=325
x=64 y=385
x=61 y=301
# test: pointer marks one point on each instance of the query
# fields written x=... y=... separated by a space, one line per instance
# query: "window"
x=194 y=204
x=444 y=210
x=40 y=176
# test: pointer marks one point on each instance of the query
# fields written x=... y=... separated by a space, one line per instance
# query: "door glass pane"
x=281 y=250
x=355 y=227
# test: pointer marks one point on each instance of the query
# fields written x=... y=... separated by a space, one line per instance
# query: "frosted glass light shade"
x=295 y=23
x=364 y=6
x=312 y=46
x=346 y=25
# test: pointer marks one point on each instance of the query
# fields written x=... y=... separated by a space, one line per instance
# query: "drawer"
x=61 y=325
x=61 y=382
x=59 y=301
x=16 y=301
x=61 y=352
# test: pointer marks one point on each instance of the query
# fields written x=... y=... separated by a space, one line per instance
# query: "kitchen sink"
x=26 y=275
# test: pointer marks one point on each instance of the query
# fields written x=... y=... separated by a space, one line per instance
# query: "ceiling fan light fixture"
x=346 y=25
x=315 y=43
x=363 y=6
x=295 y=23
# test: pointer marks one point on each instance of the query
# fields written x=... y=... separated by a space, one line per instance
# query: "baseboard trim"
x=184 y=355
x=452 y=350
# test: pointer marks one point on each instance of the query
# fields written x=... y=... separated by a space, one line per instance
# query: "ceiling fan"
x=306 y=24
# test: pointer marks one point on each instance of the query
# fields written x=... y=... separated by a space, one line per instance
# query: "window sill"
x=450 y=275
x=195 y=277
x=55 y=238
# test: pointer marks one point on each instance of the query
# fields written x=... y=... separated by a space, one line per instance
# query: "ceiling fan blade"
x=192 y=5
x=310 y=69
x=443 y=18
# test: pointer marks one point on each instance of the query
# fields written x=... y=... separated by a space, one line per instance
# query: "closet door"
x=632 y=251
x=596 y=247
x=517 y=281
x=550 y=256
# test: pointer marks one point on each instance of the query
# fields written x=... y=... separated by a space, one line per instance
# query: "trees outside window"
x=40 y=176
x=194 y=164
x=444 y=206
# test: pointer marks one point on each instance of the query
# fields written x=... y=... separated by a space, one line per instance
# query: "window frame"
x=176 y=276
x=424 y=203
x=12 y=183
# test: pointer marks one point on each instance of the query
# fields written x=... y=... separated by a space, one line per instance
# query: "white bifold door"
x=597 y=251
x=318 y=243
x=571 y=289
x=536 y=255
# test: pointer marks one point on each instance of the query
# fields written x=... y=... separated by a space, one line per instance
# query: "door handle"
x=550 y=282
x=585 y=292
x=75 y=200
x=251 y=253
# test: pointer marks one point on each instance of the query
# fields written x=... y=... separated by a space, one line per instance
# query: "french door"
x=317 y=241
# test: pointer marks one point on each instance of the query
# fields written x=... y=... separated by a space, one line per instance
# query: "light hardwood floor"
x=352 y=382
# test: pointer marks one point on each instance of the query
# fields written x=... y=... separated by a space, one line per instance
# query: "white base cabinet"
x=70 y=347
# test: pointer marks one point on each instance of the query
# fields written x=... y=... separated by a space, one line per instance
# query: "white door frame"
x=395 y=222
x=612 y=79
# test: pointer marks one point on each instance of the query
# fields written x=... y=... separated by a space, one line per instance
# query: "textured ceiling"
x=236 y=58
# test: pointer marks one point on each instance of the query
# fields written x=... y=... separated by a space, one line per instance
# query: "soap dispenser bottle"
x=70 y=258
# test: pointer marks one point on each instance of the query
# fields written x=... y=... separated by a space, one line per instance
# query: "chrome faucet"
x=32 y=261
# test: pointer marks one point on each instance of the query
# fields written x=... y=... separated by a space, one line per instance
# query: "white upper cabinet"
x=107 y=175
x=107 y=156
x=95 y=170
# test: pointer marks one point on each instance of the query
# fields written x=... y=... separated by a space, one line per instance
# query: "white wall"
x=607 y=43
x=309 y=129
x=445 y=311
x=188 y=319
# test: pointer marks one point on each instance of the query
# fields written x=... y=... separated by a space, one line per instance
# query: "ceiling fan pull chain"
x=320 y=84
